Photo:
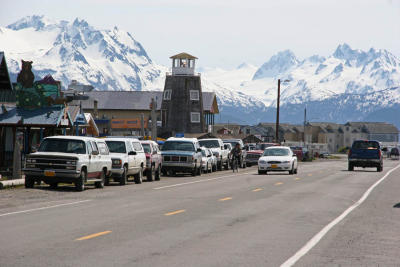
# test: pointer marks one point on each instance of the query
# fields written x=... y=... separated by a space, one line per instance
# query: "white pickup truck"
x=217 y=147
x=128 y=158
x=68 y=159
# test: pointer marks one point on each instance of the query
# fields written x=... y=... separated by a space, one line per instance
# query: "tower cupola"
x=183 y=64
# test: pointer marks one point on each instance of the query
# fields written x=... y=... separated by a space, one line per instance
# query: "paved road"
x=222 y=219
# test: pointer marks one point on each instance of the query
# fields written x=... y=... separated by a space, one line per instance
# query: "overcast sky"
x=225 y=33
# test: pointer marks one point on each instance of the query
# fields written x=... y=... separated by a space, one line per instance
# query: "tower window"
x=167 y=94
x=195 y=117
x=194 y=95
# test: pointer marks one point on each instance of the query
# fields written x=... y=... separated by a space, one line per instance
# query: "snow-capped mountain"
x=350 y=84
x=106 y=59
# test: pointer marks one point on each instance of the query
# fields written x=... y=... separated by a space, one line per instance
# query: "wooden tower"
x=182 y=105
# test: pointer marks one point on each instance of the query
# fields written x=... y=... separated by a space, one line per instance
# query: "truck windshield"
x=146 y=148
x=276 y=152
x=63 y=146
x=116 y=146
x=365 y=145
x=178 y=145
x=209 y=143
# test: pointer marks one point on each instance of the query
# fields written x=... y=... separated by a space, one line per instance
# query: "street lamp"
x=277 y=110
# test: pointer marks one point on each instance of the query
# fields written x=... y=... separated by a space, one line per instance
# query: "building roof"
x=374 y=127
x=136 y=100
x=183 y=56
x=46 y=116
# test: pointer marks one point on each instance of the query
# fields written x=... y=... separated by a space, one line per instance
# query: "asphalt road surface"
x=219 y=219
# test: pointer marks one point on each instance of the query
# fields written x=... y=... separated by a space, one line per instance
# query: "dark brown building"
x=182 y=104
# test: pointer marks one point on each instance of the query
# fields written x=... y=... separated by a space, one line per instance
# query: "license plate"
x=274 y=166
x=49 y=173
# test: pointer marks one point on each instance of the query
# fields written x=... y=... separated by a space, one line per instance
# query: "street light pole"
x=277 y=113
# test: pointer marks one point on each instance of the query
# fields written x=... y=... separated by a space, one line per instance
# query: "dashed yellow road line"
x=297 y=178
x=225 y=199
x=257 y=189
x=278 y=183
x=310 y=174
x=174 y=212
x=93 y=235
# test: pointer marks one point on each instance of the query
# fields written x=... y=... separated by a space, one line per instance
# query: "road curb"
x=9 y=183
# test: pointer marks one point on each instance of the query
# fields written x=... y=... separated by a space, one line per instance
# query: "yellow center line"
x=278 y=183
x=297 y=178
x=257 y=189
x=225 y=199
x=174 y=212
x=310 y=174
x=93 y=235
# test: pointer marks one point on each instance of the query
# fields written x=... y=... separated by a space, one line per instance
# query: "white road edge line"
x=198 y=181
x=43 y=208
x=315 y=240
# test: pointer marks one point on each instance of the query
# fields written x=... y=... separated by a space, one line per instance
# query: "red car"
x=153 y=160
x=253 y=155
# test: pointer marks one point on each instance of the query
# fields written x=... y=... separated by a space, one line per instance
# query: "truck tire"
x=139 y=176
x=199 y=171
x=101 y=183
x=194 y=171
x=124 y=177
x=158 y=174
x=351 y=167
x=379 y=168
x=29 y=182
x=261 y=172
x=150 y=173
x=80 y=182
x=219 y=165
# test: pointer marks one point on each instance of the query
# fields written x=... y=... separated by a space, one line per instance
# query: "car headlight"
x=117 y=162
x=262 y=161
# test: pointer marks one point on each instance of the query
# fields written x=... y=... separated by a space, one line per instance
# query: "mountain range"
x=348 y=85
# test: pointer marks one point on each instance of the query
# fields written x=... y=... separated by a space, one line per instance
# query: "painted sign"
x=127 y=123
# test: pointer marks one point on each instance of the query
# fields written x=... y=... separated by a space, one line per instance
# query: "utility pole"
x=142 y=125
x=277 y=113
x=153 y=120
x=304 y=127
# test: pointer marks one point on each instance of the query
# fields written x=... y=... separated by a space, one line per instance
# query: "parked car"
x=217 y=147
x=277 y=158
x=128 y=159
x=254 y=155
x=206 y=160
x=153 y=160
x=365 y=153
x=181 y=155
x=68 y=159
x=233 y=142
x=394 y=153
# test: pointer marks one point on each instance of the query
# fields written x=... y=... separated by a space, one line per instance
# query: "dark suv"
x=365 y=153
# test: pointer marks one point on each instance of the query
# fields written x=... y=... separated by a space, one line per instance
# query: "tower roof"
x=184 y=55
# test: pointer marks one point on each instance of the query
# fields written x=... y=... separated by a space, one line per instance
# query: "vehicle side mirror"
x=222 y=147
x=199 y=150
x=209 y=156
x=132 y=153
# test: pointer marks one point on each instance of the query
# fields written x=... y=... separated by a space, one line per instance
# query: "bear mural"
x=43 y=93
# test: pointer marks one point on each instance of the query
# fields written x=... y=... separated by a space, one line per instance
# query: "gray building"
x=182 y=104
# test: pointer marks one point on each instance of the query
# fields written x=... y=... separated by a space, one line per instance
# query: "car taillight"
x=349 y=152
x=380 y=153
